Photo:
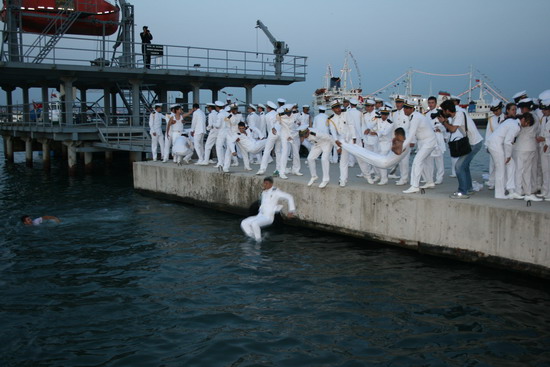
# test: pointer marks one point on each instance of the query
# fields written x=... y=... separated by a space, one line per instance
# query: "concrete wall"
x=512 y=238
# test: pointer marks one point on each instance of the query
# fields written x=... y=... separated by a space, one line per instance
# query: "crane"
x=279 y=48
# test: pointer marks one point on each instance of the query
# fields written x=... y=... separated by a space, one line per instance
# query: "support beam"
x=185 y=99
x=69 y=99
x=8 y=153
x=248 y=88
x=46 y=162
x=71 y=154
x=196 y=92
x=114 y=108
x=107 y=104
x=83 y=105
x=26 y=104
x=215 y=94
x=9 y=101
x=88 y=162
x=135 y=83
x=45 y=105
x=28 y=152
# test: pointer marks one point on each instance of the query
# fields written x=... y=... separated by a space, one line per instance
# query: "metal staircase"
x=128 y=138
x=58 y=26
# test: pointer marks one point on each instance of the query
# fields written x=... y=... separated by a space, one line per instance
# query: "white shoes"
x=428 y=186
x=393 y=176
x=401 y=183
x=260 y=172
x=323 y=184
x=360 y=175
x=411 y=190
x=370 y=180
x=383 y=182
x=515 y=195
x=438 y=182
x=248 y=169
x=532 y=198
x=297 y=173
x=342 y=183
x=312 y=180
x=283 y=176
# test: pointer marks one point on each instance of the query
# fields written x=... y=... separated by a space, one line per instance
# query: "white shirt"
x=269 y=202
x=198 y=122
x=212 y=117
x=492 y=125
x=503 y=136
x=354 y=118
x=419 y=129
x=340 y=129
x=253 y=119
x=473 y=134
x=320 y=123
x=155 y=122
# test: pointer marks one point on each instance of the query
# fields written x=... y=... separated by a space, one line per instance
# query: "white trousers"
x=419 y=162
x=504 y=173
x=167 y=146
x=198 y=141
x=210 y=142
x=436 y=161
x=251 y=147
x=251 y=226
x=404 y=168
x=273 y=141
x=287 y=143
x=220 y=146
x=524 y=162
x=545 y=165
x=156 y=141
x=323 y=150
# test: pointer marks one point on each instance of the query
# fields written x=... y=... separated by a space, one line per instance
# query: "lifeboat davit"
x=96 y=17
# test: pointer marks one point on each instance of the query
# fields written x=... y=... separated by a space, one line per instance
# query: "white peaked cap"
x=219 y=103
x=519 y=94
x=271 y=104
x=545 y=95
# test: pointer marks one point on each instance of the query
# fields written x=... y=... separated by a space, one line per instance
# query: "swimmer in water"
x=38 y=221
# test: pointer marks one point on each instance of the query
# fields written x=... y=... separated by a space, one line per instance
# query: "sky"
x=503 y=39
x=507 y=41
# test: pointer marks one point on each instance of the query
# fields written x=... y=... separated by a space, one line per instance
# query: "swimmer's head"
x=27 y=220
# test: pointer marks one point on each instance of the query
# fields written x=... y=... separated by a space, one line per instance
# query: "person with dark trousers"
x=146 y=38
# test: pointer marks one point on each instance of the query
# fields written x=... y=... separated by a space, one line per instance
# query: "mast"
x=470 y=89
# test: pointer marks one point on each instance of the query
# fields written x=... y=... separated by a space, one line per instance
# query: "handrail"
x=84 y=51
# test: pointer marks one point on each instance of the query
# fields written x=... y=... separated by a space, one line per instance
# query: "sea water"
x=130 y=280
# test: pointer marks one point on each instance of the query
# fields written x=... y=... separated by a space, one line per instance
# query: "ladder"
x=59 y=32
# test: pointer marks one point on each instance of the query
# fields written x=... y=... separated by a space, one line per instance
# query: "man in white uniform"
x=167 y=137
x=212 y=129
x=492 y=124
x=155 y=129
x=354 y=118
x=322 y=144
x=198 y=129
x=369 y=136
x=499 y=145
x=320 y=121
x=248 y=144
x=393 y=157
x=261 y=121
x=421 y=131
x=344 y=132
x=544 y=141
x=273 y=138
x=268 y=207
x=400 y=120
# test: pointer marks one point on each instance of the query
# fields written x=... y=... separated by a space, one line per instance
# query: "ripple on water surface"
x=128 y=280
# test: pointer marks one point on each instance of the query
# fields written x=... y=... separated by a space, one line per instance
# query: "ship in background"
x=88 y=17
x=343 y=87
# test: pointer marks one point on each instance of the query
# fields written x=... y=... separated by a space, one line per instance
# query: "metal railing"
x=97 y=51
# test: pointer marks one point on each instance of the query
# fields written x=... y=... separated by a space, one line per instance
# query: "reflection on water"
x=133 y=281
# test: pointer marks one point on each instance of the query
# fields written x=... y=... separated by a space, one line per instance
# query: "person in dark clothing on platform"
x=146 y=38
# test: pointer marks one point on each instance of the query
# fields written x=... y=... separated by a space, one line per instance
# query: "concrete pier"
x=502 y=233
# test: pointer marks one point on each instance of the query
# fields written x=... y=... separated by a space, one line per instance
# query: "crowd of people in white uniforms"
x=517 y=138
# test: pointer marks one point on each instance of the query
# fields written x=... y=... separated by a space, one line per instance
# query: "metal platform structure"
x=79 y=65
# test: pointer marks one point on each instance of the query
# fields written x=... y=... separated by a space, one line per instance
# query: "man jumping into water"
x=268 y=207
x=394 y=156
